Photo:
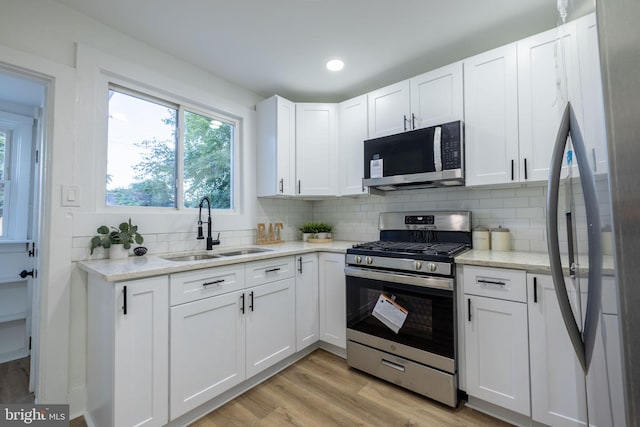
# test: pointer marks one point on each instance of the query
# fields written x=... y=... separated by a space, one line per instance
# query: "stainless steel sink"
x=199 y=257
x=246 y=251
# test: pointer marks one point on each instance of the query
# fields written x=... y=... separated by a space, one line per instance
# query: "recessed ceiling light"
x=335 y=65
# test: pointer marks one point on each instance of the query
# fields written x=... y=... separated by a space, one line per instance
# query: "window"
x=147 y=147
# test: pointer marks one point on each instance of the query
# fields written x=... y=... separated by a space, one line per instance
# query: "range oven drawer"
x=416 y=377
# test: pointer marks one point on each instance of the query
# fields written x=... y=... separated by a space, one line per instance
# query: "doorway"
x=22 y=109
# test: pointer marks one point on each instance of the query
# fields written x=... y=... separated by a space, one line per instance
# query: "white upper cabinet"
x=276 y=124
x=429 y=99
x=436 y=96
x=548 y=77
x=389 y=110
x=316 y=149
x=352 y=131
x=593 y=127
x=491 y=117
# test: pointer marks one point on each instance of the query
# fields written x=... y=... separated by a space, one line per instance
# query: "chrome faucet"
x=210 y=241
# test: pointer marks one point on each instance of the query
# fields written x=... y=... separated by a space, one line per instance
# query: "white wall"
x=43 y=36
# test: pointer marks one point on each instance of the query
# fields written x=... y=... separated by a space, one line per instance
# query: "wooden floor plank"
x=14 y=381
x=321 y=390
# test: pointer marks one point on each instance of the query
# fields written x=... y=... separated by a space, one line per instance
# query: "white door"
x=307 y=316
x=548 y=77
x=497 y=352
x=316 y=149
x=17 y=254
x=270 y=320
x=351 y=136
x=558 y=395
x=436 y=96
x=491 y=117
x=207 y=350
x=389 y=110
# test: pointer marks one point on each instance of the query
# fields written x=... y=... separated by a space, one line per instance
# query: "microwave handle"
x=437 y=149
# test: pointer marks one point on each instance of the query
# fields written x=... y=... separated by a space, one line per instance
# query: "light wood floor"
x=14 y=381
x=321 y=390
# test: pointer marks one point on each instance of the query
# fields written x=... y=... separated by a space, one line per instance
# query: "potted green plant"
x=323 y=231
x=122 y=237
x=308 y=230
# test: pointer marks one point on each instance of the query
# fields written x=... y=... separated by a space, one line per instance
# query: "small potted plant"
x=117 y=240
x=308 y=230
x=323 y=231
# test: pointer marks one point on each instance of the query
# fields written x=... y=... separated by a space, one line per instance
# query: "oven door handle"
x=407 y=279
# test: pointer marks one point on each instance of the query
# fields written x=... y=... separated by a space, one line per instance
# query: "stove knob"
x=369 y=260
x=432 y=267
x=417 y=265
x=358 y=259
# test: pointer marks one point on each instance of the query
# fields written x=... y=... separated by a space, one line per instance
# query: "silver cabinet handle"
x=392 y=365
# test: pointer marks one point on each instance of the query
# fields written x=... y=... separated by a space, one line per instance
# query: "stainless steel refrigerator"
x=593 y=227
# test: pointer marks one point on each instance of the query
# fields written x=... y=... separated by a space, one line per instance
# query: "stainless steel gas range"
x=401 y=323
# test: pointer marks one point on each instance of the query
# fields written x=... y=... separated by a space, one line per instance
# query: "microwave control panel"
x=451 y=150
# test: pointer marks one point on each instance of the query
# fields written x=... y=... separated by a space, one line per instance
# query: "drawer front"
x=499 y=283
x=198 y=284
x=260 y=272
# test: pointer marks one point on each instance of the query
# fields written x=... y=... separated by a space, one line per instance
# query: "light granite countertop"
x=136 y=267
x=154 y=265
x=532 y=262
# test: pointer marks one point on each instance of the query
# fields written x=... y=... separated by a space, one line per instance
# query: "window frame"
x=181 y=105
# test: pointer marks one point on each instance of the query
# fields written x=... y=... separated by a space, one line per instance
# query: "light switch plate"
x=71 y=195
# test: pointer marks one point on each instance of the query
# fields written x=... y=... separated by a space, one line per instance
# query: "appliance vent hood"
x=449 y=178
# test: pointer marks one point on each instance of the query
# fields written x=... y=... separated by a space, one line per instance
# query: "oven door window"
x=429 y=322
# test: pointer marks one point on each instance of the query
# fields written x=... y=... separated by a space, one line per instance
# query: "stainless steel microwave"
x=422 y=158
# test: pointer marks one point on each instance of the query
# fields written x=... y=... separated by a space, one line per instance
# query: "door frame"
x=54 y=261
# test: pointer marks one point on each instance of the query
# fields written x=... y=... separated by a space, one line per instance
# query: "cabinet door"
x=389 y=110
x=276 y=135
x=307 y=318
x=316 y=149
x=558 y=395
x=497 y=352
x=491 y=117
x=605 y=391
x=593 y=128
x=271 y=331
x=547 y=78
x=351 y=136
x=207 y=350
x=333 y=306
x=436 y=96
x=141 y=378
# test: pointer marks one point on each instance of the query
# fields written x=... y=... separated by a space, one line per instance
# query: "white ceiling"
x=281 y=46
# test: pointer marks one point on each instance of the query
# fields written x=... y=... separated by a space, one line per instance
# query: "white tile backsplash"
x=521 y=209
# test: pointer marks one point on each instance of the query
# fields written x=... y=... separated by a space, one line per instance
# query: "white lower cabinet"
x=271 y=324
x=307 y=314
x=128 y=352
x=220 y=340
x=207 y=350
x=332 y=288
x=496 y=339
x=556 y=396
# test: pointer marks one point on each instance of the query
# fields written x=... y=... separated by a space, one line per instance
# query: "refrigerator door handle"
x=553 y=243
x=594 y=239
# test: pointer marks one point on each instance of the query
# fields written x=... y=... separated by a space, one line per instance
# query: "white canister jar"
x=480 y=238
x=500 y=239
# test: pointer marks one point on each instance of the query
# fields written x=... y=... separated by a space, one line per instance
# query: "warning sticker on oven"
x=375 y=168
x=390 y=313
